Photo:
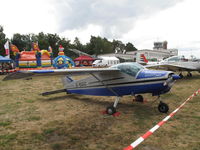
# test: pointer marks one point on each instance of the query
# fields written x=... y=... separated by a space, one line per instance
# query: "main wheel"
x=139 y=98
x=181 y=75
x=111 y=110
x=163 y=108
x=189 y=75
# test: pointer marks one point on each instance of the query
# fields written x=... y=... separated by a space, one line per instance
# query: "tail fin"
x=143 y=58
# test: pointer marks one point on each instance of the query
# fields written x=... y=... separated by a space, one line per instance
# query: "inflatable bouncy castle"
x=62 y=61
x=35 y=58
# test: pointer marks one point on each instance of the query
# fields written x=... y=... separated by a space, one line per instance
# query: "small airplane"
x=178 y=63
x=117 y=80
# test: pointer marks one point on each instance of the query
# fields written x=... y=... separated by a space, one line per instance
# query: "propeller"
x=171 y=78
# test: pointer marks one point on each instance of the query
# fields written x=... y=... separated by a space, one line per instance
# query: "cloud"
x=115 y=17
x=178 y=25
x=25 y=17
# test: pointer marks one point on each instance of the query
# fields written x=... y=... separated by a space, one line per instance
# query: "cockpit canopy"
x=129 y=68
x=175 y=59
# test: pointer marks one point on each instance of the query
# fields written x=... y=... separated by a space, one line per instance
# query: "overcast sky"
x=140 y=22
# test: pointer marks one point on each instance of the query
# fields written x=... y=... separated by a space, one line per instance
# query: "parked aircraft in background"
x=117 y=80
x=178 y=63
x=142 y=60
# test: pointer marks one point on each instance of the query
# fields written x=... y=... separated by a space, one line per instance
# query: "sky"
x=140 y=22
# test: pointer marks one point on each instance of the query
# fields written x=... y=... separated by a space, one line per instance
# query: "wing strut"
x=110 y=89
x=110 y=109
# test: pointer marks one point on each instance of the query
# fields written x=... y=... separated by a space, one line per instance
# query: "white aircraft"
x=178 y=63
x=117 y=80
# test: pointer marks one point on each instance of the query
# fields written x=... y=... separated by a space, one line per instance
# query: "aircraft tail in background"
x=143 y=58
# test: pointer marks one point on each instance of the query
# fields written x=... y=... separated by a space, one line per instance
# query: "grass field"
x=29 y=121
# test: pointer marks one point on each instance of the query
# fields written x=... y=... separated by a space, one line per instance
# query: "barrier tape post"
x=152 y=130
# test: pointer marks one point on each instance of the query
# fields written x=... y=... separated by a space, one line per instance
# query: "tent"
x=4 y=59
x=5 y=64
x=84 y=61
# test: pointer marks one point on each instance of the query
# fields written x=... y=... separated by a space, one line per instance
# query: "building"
x=159 y=52
x=160 y=45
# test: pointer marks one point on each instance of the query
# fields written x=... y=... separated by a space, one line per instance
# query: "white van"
x=105 y=61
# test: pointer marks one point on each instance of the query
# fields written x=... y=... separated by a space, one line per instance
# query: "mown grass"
x=29 y=121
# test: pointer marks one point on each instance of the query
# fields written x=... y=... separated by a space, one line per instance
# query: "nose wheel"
x=163 y=108
x=139 y=98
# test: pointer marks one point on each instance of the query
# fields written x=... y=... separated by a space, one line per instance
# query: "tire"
x=110 y=110
x=139 y=98
x=189 y=75
x=181 y=75
x=163 y=108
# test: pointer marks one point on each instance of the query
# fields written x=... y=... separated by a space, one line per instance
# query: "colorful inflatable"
x=62 y=61
x=32 y=59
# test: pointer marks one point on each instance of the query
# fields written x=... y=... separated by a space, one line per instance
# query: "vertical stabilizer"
x=143 y=58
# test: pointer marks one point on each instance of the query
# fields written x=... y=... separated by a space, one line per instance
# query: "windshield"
x=129 y=68
x=175 y=59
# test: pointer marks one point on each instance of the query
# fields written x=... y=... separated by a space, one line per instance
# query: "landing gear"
x=163 y=108
x=110 y=110
x=139 y=98
x=189 y=74
x=181 y=75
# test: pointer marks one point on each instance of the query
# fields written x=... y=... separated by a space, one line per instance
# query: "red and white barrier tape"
x=152 y=130
x=7 y=71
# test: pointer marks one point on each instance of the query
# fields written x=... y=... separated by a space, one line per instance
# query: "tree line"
x=96 y=45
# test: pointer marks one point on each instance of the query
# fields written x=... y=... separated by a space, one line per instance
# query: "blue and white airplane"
x=117 y=80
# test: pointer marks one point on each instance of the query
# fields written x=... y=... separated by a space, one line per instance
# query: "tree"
x=23 y=42
x=66 y=44
x=130 y=47
x=42 y=40
x=77 y=44
x=3 y=40
x=95 y=46
x=118 y=44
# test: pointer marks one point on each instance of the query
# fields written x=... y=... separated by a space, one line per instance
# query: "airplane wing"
x=58 y=72
x=172 y=67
